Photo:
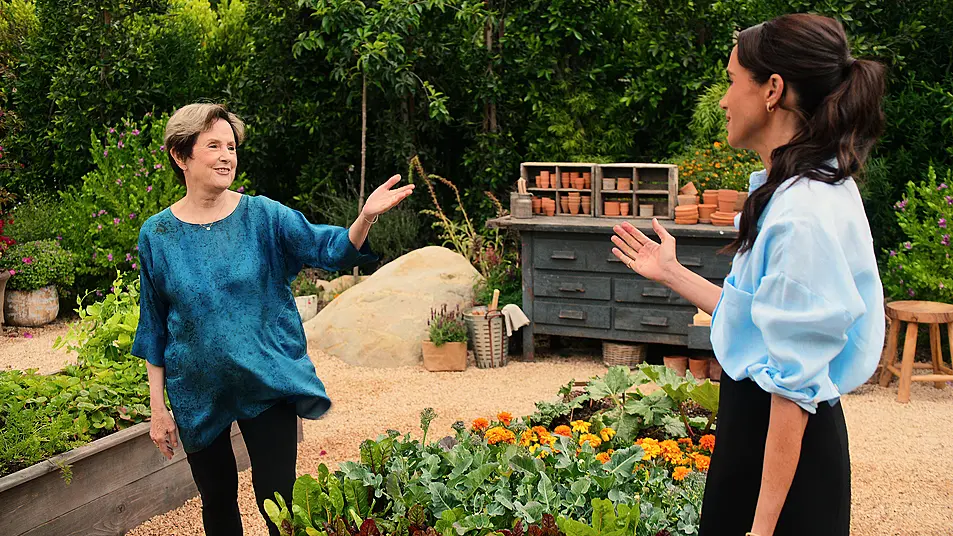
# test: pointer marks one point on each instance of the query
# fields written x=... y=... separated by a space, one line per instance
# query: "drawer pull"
x=563 y=256
x=657 y=321
x=613 y=259
x=694 y=262
x=656 y=292
x=565 y=288
x=572 y=315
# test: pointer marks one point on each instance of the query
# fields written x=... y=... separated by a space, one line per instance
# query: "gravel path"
x=22 y=348
x=900 y=453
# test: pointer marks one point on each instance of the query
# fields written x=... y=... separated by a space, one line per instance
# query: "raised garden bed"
x=106 y=487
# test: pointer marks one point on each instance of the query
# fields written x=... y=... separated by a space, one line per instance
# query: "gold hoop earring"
x=768 y=107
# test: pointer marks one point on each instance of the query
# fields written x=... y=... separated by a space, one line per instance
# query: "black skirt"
x=818 y=503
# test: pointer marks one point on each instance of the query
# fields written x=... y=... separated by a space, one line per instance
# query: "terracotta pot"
x=564 y=204
x=586 y=204
x=686 y=200
x=537 y=205
x=646 y=211
x=587 y=180
x=727 y=200
x=689 y=189
x=565 y=179
x=623 y=184
x=705 y=211
x=710 y=197
x=677 y=363
x=698 y=367
x=539 y=181
x=611 y=208
x=608 y=184
x=4 y=277
x=624 y=208
x=544 y=179
x=550 y=210
x=740 y=203
x=714 y=369
x=578 y=183
x=31 y=308
x=574 y=205
x=449 y=356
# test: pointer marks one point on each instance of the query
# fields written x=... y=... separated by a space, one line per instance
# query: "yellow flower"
x=651 y=448
x=607 y=434
x=480 y=424
x=580 y=426
x=542 y=453
x=603 y=457
x=718 y=165
x=717 y=145
x=680 y=473
x=499 y=434
x=527 y=438
x=670 y=451
x=505 y=417
x=563 y=430
x=591 y=439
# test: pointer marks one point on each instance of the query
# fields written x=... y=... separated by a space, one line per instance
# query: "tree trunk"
x=360 y=201
x=490 y=122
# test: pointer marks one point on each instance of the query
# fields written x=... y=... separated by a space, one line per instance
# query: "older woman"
x=218 y=324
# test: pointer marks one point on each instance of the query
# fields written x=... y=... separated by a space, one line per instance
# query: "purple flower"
x=134 y=266
x=911 y=293
x=158 y=166
x=94 y=256
x=120 y=144
x=109 y=256
x=147 y=173
x=112 y=131
x=949 y=199
x=135 y=132
x=115 y=221
x=893 y=253
x=901 y=205
x=908 y=245
x=106 y=152
x=141 y=160
x=132 y=216
x=942 y=186
x=119 y=182
x=162 y=147
x=101 y=212
x=942 y=223
x=136 y=248
x=128 y=257
x=946 y=240
x=149 y=188
x=241 y=189
x=99 y=227
x=100 y=294
x=59 y=237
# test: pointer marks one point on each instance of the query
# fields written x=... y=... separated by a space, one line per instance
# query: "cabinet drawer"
x=572 y=314
x=657 y=320
x=703 y=260
x=644 y=291
x=568 y=286
x=560 y=254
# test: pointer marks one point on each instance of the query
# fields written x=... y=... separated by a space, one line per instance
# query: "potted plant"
x=446 y=349
x=306 y=296
x=36 y=269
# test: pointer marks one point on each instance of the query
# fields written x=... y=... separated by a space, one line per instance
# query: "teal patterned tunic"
x=217 y=312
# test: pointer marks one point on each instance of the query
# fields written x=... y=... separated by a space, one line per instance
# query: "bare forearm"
x=701 y=292
x=358 y=230
x=156 y=386
x=782 y=451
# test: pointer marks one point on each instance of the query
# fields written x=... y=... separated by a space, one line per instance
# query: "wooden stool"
x=915 y=313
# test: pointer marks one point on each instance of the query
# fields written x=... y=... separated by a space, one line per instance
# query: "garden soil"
x=900 y=453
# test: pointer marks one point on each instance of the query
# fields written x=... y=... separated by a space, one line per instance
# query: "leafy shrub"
x=106 y=328
x=34 y=218
x=35 y=265
x=304 y=286
x=717 y=166
x=503 y=273
x=446 y=326
x=921 y=266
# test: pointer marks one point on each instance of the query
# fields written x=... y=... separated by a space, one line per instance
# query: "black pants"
x=271 y=440
x=818 y=503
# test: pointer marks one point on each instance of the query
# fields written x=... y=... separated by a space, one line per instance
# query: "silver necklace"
x=208 y=226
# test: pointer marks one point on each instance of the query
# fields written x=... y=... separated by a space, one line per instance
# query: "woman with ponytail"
x=800 y=319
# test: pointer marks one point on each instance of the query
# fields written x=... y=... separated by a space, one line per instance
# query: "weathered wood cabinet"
x=574 y=286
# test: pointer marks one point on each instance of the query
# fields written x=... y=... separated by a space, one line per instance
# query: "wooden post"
x=906 y=368
x=936 y=351
x=889 y=358
x=360 y=200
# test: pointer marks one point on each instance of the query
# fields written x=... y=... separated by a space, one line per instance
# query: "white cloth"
x=515 y=318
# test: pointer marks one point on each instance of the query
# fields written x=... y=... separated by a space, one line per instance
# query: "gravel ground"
x=22 y=348
x=900 y=453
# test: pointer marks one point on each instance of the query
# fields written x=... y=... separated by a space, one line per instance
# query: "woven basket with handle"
x=618 y=354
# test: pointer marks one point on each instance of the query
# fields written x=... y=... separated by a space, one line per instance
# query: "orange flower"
x=499 y=434
x=563 y=430
x=480 y=424
x=592 y=439
x=680 y=473
x=686 y=441
x=671 y=451
x=603 y=457
x=702 y=462
x=651 y=448
x=707 y=442
x=505 y=417
x=527 y=438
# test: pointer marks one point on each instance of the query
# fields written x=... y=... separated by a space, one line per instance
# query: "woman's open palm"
x=384 y=198
x=650 y=259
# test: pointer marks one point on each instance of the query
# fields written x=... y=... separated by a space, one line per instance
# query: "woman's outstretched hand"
x=643 y=255
x=384 y=198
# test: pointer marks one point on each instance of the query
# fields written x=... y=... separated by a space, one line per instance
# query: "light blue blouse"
x=802 y=312
x=216 y=310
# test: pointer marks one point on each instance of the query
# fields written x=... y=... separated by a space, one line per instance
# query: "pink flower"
x=27 y=260
x=99 y=227
x=158 y=166
x=149 y=188
x=134 y=267
x=13 y=272
x=115 y=221
x=128 y=257
x=162 y=147
x=323 y=453
x=112 y=131
x=101 y=212
x=141 y=160
x=106 y=152
x=132 y=216
x=109 y=256
x=241 y=189
x=119 y=182
x=120 y=144
x=135 y=132
x=27 y=335
x=942 y=223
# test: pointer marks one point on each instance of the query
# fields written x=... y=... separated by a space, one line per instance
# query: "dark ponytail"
x=838 y=102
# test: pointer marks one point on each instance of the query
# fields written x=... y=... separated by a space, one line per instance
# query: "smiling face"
x=745 y=106
x=214 y=158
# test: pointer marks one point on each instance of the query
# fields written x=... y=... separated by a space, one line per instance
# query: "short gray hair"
x=188 y=122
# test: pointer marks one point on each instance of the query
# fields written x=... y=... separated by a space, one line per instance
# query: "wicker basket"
x=615 y=354
x=487 y=333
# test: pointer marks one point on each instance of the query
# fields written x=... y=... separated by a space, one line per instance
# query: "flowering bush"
x=717 y=166
x=921 y=267
x=131 y=182
x=446 y=326
x=34 y=265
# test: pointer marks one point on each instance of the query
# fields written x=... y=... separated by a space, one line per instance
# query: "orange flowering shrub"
x=717 y=166
x=498 y=434
x=681 y=456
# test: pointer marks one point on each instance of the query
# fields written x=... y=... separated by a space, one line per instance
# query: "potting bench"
x=574 y=286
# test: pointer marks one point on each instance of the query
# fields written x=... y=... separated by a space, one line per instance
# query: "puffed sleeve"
x=804 y=306
x=327 y=247
x=152 y=332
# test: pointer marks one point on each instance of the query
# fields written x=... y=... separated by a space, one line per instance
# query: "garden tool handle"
x=496 y=299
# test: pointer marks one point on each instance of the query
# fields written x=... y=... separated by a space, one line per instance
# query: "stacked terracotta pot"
x=610 y=208
x=586 y=203
x=548 y=205
x=574 y=200
x=686 y=213
x=725 y=215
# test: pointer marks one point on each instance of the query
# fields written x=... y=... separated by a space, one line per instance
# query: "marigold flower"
x=580 y=426
x=603 y=457
x=592 y=439
x=543 y=434
x=498 y=434
x=686 y=441
x=563 y=430
x=680 y=473
x=542 y=453
x=670 y=451
x=527 y=438
x=707 y=442
x=702 y=462
x=505 y=417
x=480 y=424
x=651 y=448
x=717 y=145
x=607 y=434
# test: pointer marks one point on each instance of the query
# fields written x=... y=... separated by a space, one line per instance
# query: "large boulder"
x=381 y=322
